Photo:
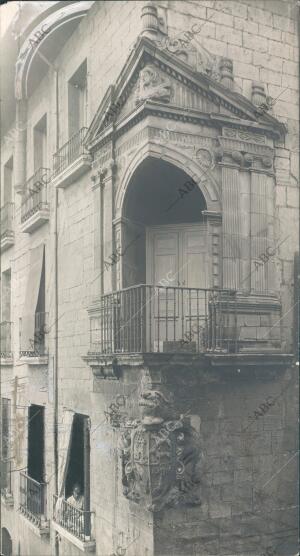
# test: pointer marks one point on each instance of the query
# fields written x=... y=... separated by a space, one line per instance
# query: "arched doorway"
x=165 y=265
x=6 y=542
x=164 y=204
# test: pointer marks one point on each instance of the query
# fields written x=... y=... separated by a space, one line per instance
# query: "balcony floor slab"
x=73 y=172
x=41 y=531
x=7 y=241
x=37 y=219
x=84 y=546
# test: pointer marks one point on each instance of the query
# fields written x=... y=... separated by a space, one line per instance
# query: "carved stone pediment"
x=155 y=80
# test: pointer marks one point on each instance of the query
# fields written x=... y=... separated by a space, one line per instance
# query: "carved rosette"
x=161 y=456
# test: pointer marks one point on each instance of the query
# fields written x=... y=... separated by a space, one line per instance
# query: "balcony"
x=155 y=319
x=6 y=485
x=5 y=339
x=34 y=348
x=73 y=523
x=146 y=319
x=33 y=502
x=35 y=207
x=7 y=226
x=71 y=160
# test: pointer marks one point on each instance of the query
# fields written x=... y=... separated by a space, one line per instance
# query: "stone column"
x=262 y=233
x=108 y=237
x=231 y=227
x=214 y=231
x=98 y=186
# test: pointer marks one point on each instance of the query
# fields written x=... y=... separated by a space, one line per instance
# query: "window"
x=33 y=322
x=8 y=181
x=32 y=487
x=6 y=542
x=78 y=467
x=72 y=507
x=5 y=444
x=6 y=296
x=40 y=143
x=35 y=462
x=6 y=325
x=77 y=99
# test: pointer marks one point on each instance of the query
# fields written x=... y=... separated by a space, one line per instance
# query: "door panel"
x=162 y=263
x=180 y=254
x=195 y=276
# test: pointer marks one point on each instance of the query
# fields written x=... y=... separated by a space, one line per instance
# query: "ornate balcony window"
x=155 y=319
x=7 y=226
x=74 y=522
x=6 y=483
x=71 y=160
x=35 y=207
x=5 y=338
x=34 y=347
x=33 y=502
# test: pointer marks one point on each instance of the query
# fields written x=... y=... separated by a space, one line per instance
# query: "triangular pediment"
x=155 y=78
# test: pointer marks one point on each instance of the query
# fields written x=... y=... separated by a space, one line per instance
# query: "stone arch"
x=208 y=185
x=6 y=542
x=44 y=30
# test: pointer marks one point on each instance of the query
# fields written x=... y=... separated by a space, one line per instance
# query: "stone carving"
x=151 y=85
x=243 y=134
x=205 y=158
x=161 y=455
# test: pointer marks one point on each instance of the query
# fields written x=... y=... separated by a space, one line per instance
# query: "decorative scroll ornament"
x=151 y=85
x=160 y=456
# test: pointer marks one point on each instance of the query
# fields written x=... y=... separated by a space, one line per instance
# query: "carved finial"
x=226 y=72
x=149 y=19
x=258 y=93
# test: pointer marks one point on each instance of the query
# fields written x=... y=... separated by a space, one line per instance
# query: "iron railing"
x=32 y=498
x=7 y=219
x=36 y=346
x=148 y=318
x=5 y=339
x=74 y=520
x=69 y=152
x=35 y=195
x=6 y=472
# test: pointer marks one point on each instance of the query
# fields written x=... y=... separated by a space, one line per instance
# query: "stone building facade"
x=149 y=278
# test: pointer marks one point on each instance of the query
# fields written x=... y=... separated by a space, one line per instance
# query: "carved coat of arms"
x=160 y=457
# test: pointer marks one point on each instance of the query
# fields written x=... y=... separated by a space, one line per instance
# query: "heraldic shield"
x=159 y=465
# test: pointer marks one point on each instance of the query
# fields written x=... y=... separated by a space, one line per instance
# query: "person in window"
x=76 y=499
x=75 y=518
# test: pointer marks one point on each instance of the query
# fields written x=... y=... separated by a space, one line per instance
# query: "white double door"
x=177 y=258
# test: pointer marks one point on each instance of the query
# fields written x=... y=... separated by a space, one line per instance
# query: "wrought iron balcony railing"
x=147 y=318
x=75 y=521
x=69 y=152
x=35 y=196
x=7 y=219
x=5 y=340
x=32 y=499
x=36 y=346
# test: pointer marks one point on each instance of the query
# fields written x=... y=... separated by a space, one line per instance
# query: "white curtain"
x=31 y=297
x=64 y=449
